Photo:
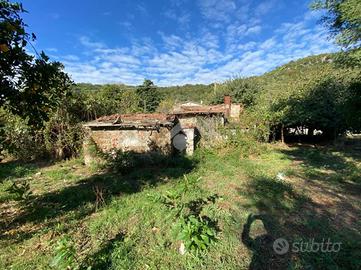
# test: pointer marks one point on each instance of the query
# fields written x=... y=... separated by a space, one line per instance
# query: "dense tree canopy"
x=241 y=90
x=30 y=86
x=310 y=93
x=343 y=18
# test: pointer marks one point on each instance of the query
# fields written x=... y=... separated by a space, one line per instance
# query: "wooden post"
x=282 y=134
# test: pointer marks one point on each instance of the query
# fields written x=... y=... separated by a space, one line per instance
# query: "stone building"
x=200 y=124
x=179 y=131
x=139 y=133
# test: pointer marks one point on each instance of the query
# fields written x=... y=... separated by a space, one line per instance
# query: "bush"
x=20 y=140
x=65 y=254
x=21 y=189
x=60 y=138
x=197 y=233
x=63 y=137
x=241 y=142
x=120 y=161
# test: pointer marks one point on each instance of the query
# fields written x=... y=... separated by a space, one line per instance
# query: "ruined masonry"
x=178 y=131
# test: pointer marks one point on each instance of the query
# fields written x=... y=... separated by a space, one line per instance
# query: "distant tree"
x=343 y=18
x=29 y=86
x=149 y=97
x=242 y=90
x=166 y=105
x=118 y=99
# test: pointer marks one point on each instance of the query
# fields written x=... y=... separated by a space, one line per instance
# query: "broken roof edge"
x=96 y=125
x=198 y=112
x=140 y=120
x=200 y=109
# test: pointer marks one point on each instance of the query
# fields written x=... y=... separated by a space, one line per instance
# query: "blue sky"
x=174 y=42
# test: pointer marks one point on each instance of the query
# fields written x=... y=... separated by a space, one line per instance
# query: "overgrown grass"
x=298 y=193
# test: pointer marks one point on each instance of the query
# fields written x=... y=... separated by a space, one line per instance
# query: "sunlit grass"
x=287 y=186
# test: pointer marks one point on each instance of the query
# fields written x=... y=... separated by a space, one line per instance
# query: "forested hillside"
x=313 y=92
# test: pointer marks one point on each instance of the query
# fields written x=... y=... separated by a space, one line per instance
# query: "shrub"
x=174 y=199
x=60 y=138
x=65 y=254
x=241 y=142
x=63 y=136
x=20 y=140
x=197 y=233
x=21 y=189
x=123 y=161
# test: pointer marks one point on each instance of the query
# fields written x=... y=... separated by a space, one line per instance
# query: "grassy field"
x=109 y=220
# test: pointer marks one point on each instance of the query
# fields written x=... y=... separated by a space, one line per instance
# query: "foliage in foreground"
x=65 y=255
x=29 y=87
x=197 y=233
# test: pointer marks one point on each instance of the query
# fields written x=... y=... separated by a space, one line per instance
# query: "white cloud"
x=142 y=8
x=126 y=24
x=253 y=30
x=268 y=44
x=205 y=58
x=183 y=17
x=264 y=7
x=88 y=43
x=51 y=49
x=217 y=10
x=71 y=57
x=172 y=41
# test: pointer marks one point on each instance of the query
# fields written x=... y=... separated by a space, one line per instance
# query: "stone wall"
x=198 y=120
x=135 y=140
x=235 y=112
x=202 y=130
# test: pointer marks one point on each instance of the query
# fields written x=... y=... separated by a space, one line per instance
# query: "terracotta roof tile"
x=136 y=117
x=202 y=109
x=133 y=120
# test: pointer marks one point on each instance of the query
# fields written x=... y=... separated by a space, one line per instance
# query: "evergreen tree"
x=149 y=97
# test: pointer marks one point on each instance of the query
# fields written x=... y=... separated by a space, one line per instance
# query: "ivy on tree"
x=30 y=86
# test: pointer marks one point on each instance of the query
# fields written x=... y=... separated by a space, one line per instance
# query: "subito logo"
x=281 y=246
